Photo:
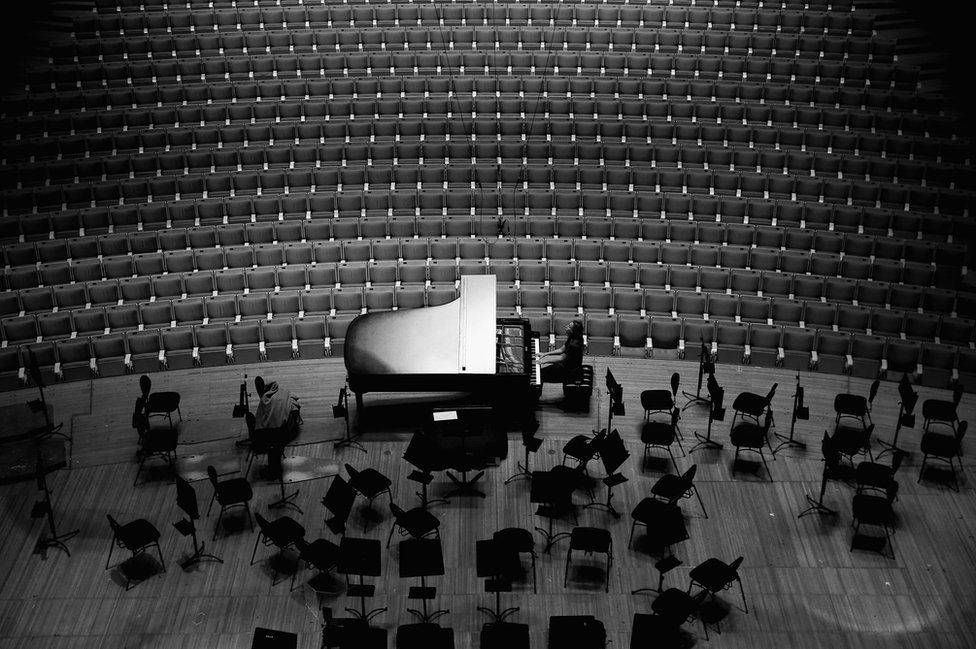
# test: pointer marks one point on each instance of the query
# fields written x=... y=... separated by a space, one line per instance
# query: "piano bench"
x=576 y=394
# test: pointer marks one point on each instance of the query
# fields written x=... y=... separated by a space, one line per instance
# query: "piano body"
x=458 y=347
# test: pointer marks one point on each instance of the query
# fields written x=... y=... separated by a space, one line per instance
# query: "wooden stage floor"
x=804 y=588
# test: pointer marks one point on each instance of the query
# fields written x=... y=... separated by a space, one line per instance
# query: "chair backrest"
x=114 y=524
x=259 y=386
x=957 y=393
x=251 y=423
x=212 y=474
x=675 y=416
x=960 y=433
x=675 y=380
x=396 y=510
x=688 y=477
x=351 y=471
x=769 y=396
x=734 y=566
x=768 y=421
x=262 y=523
x=140 y=420
x=145 y=385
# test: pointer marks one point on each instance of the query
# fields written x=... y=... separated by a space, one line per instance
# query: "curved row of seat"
x=148 y=350
x=301 y=120
x=364 y=16
x=848 y=74
x=122 y=100
x=651 y=185
x=157 y=301
x=299 y=41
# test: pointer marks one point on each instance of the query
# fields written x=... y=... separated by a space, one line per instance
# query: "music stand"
x=243 y=405
x=45 y=508
x=530 y=444
x=613 y=454
x=831 y=458
x=422 y=558
x=276 y=467
x=496 y=561
x=341 y=411
x=906 y=417
x=551 y=491
x=360 y=557
x=705 y=366
x=716 y=412
x=800 y=411
x=616 y=393
x=40 y=404
x=423 y=454
x=186 y=499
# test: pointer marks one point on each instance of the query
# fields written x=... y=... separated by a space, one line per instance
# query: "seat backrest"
x=734 y=566
x=960 y=433
x=873 y=392
x=351 y=471
x=396 y=510
x=675 y=416
x=145 y=384
x=675 y=381
x=262 y=523
x=212 y=474
x=771 y=394
x=115 y=526
x=688 y=478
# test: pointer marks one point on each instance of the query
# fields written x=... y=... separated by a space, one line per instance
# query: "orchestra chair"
x=752 y=405
x=670 y=487
x=664 y=524
x=159 y=403
x=338 y=501
x=662 y=434
x=875 y=510
x=653 y=401
x=261 y=441
x=877 y=476
x=940 y=446
x=856 y=406
x=504 y=635
x=283 y=533
x=589 y=540
x=135 y=536
x=752 y=437
x=713 y=575
x=584 y=448
x=235 y=492
x=370 y=484
x=520 y=541
x=850 y=441
x=577 y=391
x=940 y=411
x=321 y=554
x=416 y=522
x=675 y=607
x=160 y=442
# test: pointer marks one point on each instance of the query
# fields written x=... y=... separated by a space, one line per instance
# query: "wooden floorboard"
x=803 y=586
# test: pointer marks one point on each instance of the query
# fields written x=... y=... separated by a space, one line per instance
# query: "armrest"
x=747 y=355
x=229 y=353
x=814 y=359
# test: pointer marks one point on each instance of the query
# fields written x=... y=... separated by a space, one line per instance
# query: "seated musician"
x=275 y=405
x=564 y=363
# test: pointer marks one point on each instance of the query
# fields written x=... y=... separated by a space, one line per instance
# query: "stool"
x=576 y=393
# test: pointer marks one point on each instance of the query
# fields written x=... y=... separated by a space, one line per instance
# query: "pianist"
x=564 y=363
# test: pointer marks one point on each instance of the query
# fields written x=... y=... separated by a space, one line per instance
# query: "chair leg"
x=700 y=502
x=110 y=548
x=139 y=470
x=630 y=540
x=569 y=554
x=745 y=605
x=220 y=517
x=763 y=456
x=255 y=550
x=534 y=588
x=609 y=563
x=673 y=461
x=921 y=470
x=212 y=499
x=735 y=459
x=247 y=510
x=160 y=552
x=390 y=536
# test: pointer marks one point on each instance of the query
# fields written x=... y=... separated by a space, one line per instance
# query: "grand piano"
x=459 y=346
